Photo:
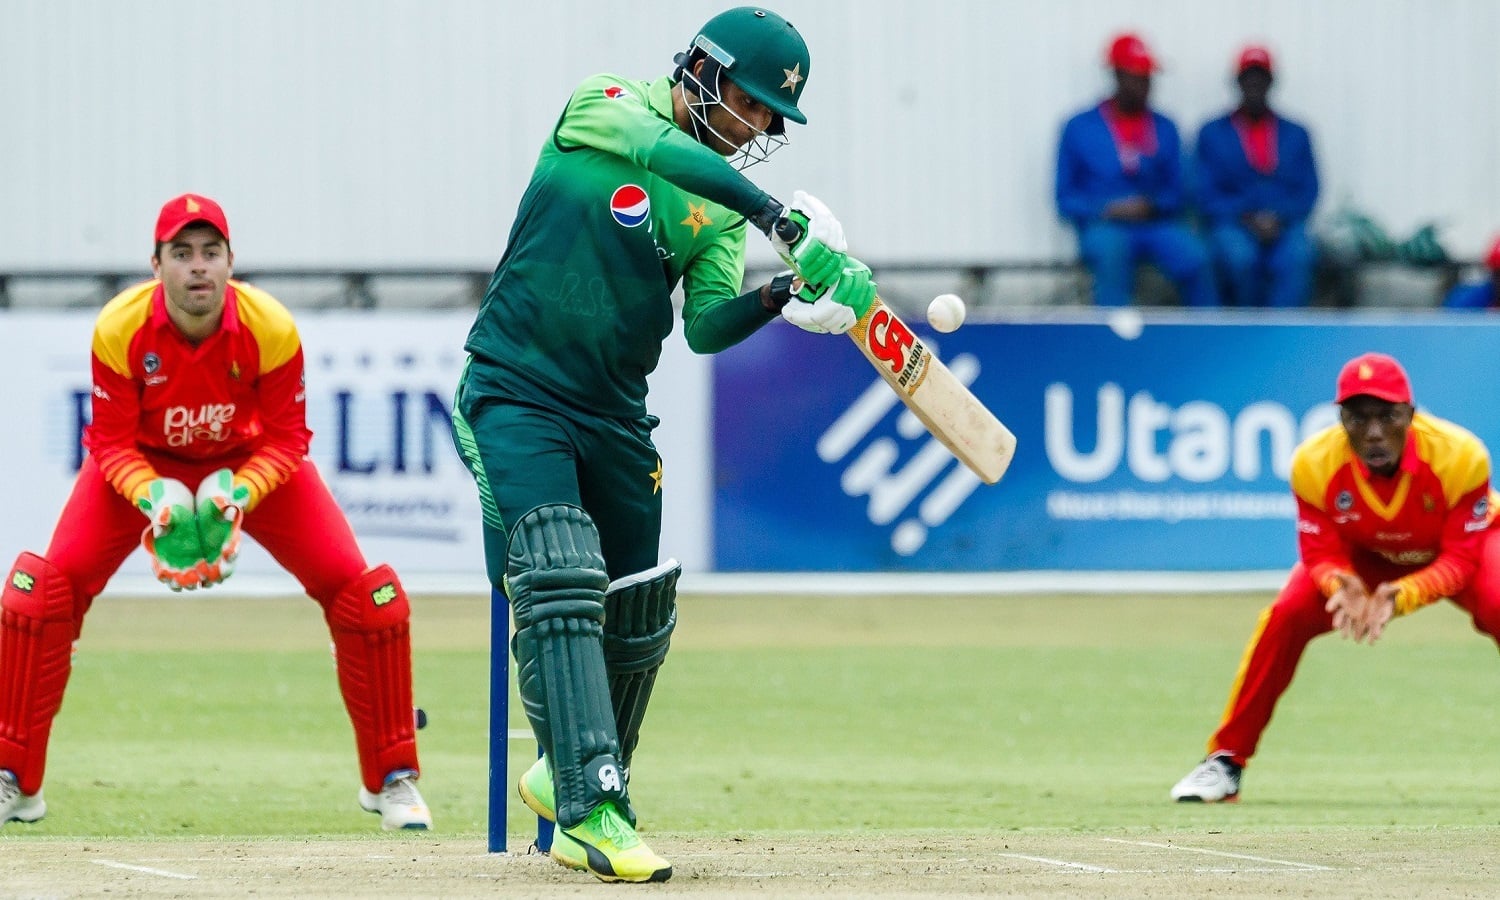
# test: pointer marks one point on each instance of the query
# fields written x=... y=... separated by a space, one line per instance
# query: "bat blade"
x=946 y=406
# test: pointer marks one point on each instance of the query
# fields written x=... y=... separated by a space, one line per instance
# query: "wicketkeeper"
x=1394 y=509
x=198 y=437
x=637 y=191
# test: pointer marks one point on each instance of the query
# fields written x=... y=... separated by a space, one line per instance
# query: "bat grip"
x=788 y=230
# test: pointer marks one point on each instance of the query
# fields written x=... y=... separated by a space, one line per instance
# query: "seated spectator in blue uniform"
x=1257 y=183
x=1478 y=294
x=1120 y=184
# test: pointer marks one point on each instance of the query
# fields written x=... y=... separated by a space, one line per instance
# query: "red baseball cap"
x=1492 y=261
x=1253 y=57
x=1129 y=54
x=1375 y=374
x=180 y=212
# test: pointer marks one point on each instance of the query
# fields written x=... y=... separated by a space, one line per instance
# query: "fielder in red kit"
x=1393 y=514
x=198 y=384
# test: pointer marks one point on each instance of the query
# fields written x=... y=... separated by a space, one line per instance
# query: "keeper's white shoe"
x=1215 y=780
x=399 y=803
x=16 y=806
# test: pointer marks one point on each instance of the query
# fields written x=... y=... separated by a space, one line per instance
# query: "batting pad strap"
x=369 y=621
x=39 y=619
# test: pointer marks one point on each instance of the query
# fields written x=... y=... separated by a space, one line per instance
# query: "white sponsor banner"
x=380 y=389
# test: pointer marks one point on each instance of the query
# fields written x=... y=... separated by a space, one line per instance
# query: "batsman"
x=638 y=190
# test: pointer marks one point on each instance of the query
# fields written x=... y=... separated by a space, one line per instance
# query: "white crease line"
x=1279 y=862
x=147 y=869
x=1059 y=862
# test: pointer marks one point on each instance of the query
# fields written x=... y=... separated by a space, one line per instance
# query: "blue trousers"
x=1111 y=251
x=1277 y=274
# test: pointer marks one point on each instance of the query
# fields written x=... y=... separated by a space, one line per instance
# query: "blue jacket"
x=1090 y=175
x=1471 y=295
x=1228 y=186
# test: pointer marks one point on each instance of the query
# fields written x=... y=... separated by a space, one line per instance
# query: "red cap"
x=180 y=212
x=1253 y=57
x=1374 y=374
x=1129 y=54
x=1492 y=261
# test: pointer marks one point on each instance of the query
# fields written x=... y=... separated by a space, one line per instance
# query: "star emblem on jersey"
x=794 y=77
x=697 y=217
x=656 y=477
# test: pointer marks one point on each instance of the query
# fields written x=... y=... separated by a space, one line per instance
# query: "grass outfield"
x=1010 y=729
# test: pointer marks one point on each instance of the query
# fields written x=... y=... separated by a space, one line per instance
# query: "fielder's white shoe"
x=399 y=803
x=1215 y=780
x=16 y=806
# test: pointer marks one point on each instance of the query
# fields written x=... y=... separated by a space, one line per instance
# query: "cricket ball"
x=946 y=312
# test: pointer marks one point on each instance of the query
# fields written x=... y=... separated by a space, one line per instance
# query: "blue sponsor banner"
x=1145 y=443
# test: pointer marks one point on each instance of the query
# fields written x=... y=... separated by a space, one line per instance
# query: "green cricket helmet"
x=762 y=53
x=765 y=57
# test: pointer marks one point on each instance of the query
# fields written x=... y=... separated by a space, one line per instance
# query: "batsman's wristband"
x=767 y=216
x=781 y=291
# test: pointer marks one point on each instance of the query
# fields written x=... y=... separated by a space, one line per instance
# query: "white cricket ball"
x=945 y=312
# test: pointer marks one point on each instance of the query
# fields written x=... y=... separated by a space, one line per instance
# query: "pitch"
x=800 y=747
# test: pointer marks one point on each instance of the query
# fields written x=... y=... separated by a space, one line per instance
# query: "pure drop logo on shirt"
x=630 y=205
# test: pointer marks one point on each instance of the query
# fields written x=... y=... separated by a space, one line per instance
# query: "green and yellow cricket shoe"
x=607 y=846
x=536 y=790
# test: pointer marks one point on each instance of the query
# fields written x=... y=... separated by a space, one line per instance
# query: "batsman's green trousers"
x=524 y=456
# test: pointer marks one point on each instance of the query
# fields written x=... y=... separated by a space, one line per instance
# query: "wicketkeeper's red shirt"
x=239 y=395
x=1427 y=520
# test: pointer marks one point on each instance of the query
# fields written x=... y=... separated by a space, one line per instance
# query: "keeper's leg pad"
x=38 y=622
x=640 y=612
x=369 y=620
x=555 y=579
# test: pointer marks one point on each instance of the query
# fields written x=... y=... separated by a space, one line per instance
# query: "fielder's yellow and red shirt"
x=1427 y=520
x=238 y=395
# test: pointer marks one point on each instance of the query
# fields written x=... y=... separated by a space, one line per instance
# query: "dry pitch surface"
x=1343 y=864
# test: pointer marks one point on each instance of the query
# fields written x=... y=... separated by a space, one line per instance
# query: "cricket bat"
x=944 y=404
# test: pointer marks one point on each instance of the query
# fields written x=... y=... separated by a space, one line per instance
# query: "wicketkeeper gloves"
x=220 y=513
x=172 y=537
x=193 y=541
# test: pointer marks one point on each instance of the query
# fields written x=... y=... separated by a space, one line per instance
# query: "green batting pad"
x=640 y=612
x=555 y=580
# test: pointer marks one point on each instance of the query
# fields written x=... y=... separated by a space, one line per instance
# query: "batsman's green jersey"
x=622 y=207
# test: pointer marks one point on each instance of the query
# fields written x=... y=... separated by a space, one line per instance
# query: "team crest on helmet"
x=630 y=205
x=615 y=92
x=794 y=76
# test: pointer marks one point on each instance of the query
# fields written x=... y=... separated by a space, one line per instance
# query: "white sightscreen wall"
x=402 y=132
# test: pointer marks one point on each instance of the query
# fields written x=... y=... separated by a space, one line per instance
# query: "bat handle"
x=788 y=230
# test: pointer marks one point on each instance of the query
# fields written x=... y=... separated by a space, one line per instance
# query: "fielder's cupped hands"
x=1380 y=608
x=1359 y=614
x=1347 y=605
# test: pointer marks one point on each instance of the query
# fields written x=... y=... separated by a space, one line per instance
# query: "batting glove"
x=172 y=537
x=220 y=514
x=821 y=316
x=819 y=251
x=855 y=287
